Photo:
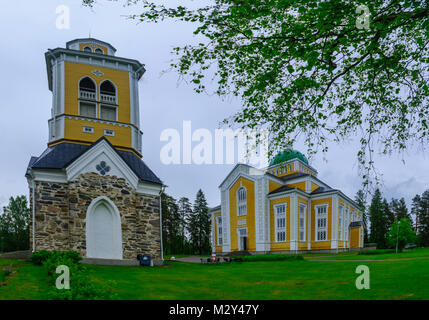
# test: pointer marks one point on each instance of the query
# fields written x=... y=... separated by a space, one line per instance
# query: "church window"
x=99 y=51
x=242 y=201
x=87 y=49
x=87 y=109
x=346 y=225
x=302 y=213
x=340 y=223
x=219 y=230
x=87 y=89
x=109 y=132
x=88 y=129
x=108 y=92
x=280 y=222
x=108 y=112
x=322 y=223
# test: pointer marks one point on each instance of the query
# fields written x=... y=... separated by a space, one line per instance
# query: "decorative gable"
x=103 y=160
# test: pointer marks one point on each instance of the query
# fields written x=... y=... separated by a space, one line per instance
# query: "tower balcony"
x=88 y=95
x=108 y=98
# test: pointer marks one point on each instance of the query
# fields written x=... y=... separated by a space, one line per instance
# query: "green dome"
x=287 y=155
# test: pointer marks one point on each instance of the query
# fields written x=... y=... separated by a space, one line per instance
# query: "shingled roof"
x=60 y=156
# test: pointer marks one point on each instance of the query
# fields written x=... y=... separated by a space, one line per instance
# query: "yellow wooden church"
x=283 y=208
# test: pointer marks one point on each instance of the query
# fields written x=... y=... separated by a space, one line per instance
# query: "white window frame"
x=87 y=129
x=300 y=227
x=276 y=228
x=241 y=202
x=316 y=214
x=346 y=225
x=106 y=105
x=219 y=230
x=88 y=102
x=109 y=132
x=340 y=222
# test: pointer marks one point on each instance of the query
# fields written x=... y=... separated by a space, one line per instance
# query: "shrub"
x=41 y=256
x=378 y=251
x=82 y=287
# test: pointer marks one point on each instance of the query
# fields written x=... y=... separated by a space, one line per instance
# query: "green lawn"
x=307 y=279
x=413 y=253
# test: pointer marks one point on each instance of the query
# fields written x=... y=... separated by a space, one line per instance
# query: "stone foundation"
x=61 y=210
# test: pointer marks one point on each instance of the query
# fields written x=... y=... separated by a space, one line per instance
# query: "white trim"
x=148 y=188
x=300 y=205
x=217 y=230
x=79 y=165
x=241 y=202
x=275 y=206
x=316 y=228
x=239 y=237
x=49 y=176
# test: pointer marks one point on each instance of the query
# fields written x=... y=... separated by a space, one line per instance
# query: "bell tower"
x=90 y=190
x=95 y=94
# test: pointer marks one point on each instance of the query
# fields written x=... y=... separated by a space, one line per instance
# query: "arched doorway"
x=103 y=230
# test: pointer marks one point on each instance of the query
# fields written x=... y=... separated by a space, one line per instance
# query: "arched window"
x=99 y=51
x=87 y=49
x=108 y=92
x=87 y=94
x=108 y=109
x=241 y=201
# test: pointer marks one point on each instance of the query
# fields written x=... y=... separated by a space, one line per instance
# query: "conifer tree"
x=360 y=200
x=388 y=213
x=14 y=225
x=399 y=208
x=378 y=220
x=199 y=225
x=185 y=209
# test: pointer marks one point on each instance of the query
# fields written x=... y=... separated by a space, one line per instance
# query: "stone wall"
x=61 y=212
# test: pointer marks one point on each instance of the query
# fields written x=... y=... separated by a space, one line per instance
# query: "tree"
x=185 y=209
x=199 y=225
x=170 y=224
x=401 y=234
x=416 y=210
x=399 y=208
x=14 y=225
x=421 y=209
x=378 y=220
x=388 y=213
x=313 y=70
x=360 y=200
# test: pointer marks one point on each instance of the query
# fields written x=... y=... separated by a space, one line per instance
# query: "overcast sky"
x=29 y=29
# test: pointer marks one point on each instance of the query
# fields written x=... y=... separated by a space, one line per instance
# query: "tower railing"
x=107 y=98
x=87 y=95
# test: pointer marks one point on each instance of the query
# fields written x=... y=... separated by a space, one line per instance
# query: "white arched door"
x=103 y=230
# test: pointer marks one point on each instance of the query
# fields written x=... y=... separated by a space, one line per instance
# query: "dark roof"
x=60 y=156
x=281 y=189
x=322 y=190
x=293 y=176
x=356 y=224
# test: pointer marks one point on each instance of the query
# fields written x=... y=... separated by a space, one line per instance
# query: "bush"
x=41 y=256
x=271 y=257
x=82 y=287
x=378 y=251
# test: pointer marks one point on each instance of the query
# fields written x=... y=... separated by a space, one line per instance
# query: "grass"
x=305 y=279
x=413 y=253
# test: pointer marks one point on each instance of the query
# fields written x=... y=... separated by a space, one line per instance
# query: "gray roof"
x=60 y=156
